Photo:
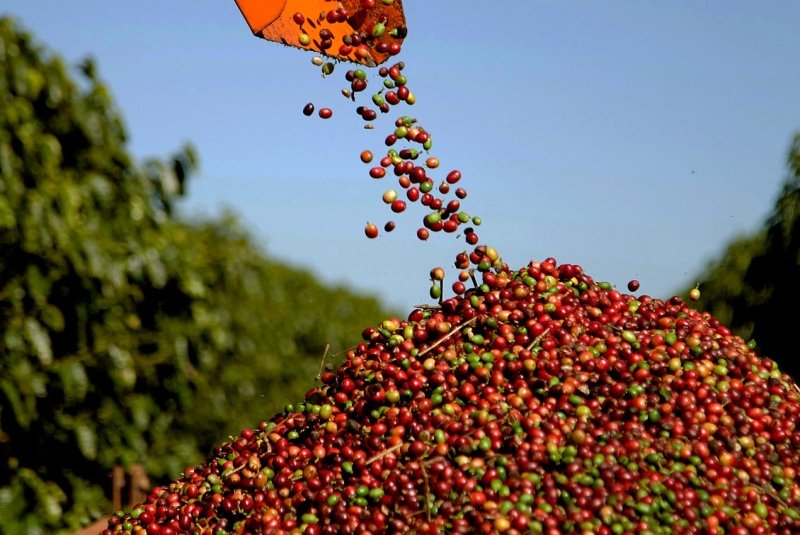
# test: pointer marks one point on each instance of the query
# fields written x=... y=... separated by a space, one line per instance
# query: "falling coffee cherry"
x=453 y=176
x=694 y=294
x=633 y=285
x=389 y=226
x=389 y=196
x=435 y=291
x=327 y=68
x=308 y=109
x=325 y=113
x=432 y=162
x=371 y=230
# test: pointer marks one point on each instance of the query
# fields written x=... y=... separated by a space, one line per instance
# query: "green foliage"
x=723 y=286
x=127 y=335
x=754 y=287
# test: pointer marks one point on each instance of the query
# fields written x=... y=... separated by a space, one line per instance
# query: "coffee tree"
x=127 y=334
x=754 y=284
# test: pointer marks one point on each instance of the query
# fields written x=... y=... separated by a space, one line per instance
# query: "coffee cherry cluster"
x=414 y=178
x=364 y=31
x=536 y=401
x=403 y=160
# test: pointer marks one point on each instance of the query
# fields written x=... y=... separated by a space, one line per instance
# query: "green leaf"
x=53 y=318
x=38 y=285
x=49 y=150
x=12 y=502
x=40 y=341
x=141 y=407
x=50 y=495
x=87 y=440
x=7 y=218
x=22 y=413
x=123 y=372
x=75 y=381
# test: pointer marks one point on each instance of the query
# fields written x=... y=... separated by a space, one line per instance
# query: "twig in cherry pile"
x=384 y=453
x=322 y=362
x=538 y=339
x=427 y=493
x=448 y=335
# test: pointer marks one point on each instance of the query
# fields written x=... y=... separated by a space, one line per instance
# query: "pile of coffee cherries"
x=536 y=401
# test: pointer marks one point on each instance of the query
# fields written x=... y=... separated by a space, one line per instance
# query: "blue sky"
x=633 y=138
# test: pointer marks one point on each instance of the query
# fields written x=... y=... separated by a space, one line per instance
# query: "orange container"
x=260 y=13
x=361 y=31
